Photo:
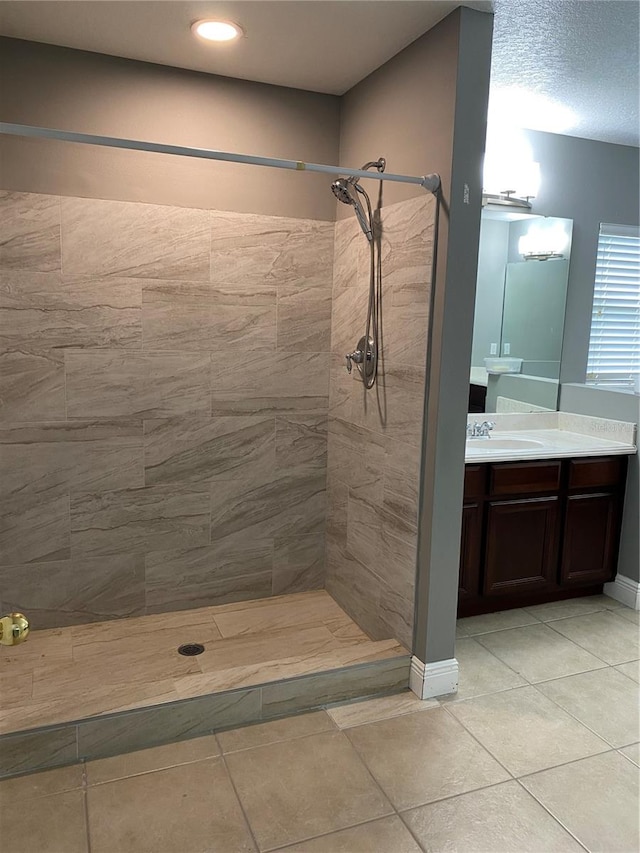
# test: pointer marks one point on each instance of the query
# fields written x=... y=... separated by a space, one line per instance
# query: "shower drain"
x=191 y=649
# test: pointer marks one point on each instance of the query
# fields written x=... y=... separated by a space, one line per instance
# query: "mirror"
x=521 y=292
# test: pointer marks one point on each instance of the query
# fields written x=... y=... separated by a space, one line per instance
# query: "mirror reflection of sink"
x=496 y=443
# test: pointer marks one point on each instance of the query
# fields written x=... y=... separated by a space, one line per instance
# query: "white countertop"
x=553 y=435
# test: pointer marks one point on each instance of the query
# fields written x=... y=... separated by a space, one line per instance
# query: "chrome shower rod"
x=430 y=182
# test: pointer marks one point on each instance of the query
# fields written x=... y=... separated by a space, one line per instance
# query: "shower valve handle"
x=356 y=356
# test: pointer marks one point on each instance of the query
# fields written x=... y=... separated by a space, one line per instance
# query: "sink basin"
x=496 y=443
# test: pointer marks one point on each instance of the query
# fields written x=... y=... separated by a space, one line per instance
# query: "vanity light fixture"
x=505 y=199
x=219 y=31
x=509 y=164
x=542 y=242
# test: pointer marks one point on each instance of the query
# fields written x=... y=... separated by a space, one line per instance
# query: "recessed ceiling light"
x=216 y=30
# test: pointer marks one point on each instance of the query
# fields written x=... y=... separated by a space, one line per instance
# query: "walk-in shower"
x=185 y=471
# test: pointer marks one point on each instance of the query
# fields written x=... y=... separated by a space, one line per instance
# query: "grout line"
x=521 y=674
x=610 y=748
x=291 y=844
x=504 y=663
x=575 y=643
x=240 y=803
x=605 y=742
x=274 y=742
x=85 y=800
x=572 y=715
x=624 y=755
x=477 y=740
x=152 y=770
x=553 y=816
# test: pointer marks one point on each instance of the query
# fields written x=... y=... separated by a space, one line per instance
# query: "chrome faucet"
x=480 y=430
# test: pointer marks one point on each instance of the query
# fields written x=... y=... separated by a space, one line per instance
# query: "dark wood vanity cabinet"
x=538 y=531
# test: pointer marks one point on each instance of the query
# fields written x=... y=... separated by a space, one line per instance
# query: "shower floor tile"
x=66 y=674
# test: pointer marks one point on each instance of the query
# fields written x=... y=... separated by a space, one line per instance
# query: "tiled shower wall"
x=164 y=380
x=375 y=436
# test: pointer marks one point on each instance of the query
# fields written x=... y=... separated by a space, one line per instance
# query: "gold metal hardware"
x=14 y=629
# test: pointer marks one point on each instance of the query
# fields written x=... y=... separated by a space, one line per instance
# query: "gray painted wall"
x=73 y=90
x=590 y=182
x=586 y=400
x=450 y=347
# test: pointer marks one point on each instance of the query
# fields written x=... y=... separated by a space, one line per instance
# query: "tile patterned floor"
x=522 y=760
x=104 y=667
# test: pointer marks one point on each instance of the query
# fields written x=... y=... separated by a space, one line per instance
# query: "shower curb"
x=112 y=734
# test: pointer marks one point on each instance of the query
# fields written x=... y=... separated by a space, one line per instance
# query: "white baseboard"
x=428 y=680
x=625 y=590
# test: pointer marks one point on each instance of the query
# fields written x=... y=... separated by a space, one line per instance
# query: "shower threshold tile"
x=106 y=668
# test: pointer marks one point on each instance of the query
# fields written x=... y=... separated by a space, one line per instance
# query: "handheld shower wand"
x=365 y=356
x=345 y=190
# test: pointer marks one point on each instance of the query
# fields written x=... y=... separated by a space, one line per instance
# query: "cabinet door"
x=590 y=543
x=522 y=546
x=470 y=552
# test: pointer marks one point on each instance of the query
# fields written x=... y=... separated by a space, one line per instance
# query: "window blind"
x=614 y=346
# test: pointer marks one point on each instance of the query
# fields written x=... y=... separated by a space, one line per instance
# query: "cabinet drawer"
x=531 y=478
x=596 y=473
x=475 y=477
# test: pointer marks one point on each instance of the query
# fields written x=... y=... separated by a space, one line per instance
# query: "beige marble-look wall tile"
x=262 y=381
x=337 y=501
x=214 y=574
x=174 y=721
x=347 y=239
x=383 y=676
x=304 y=316
x=35 y=528
x=396 y=609
x=301 y=442
x=52 y=458
x=48 y=311
x=356 y=458
x=348 y=318
x=201 y=449
x=405 y=332
x=298 y=563
x=31 y=385
x=138 y=520
x=375 y=548
x=41 y=463
x=253 y=249
x=400 y=403
x=342 y=385
x=199 y=316
x=37 y=750
x=112 y=383
x=407 y=240
x=30 y=231
x=287 y=505
x=356 y=589
x=126 y=238
x=73 y=592
x=380 y=540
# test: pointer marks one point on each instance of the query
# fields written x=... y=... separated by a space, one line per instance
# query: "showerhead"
x=342 y=190
x=346 y=190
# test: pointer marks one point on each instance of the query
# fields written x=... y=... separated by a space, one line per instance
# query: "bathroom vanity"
x=542 y=510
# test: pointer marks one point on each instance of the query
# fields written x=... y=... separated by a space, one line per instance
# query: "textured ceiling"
x=568 y=66
x=564 y=66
